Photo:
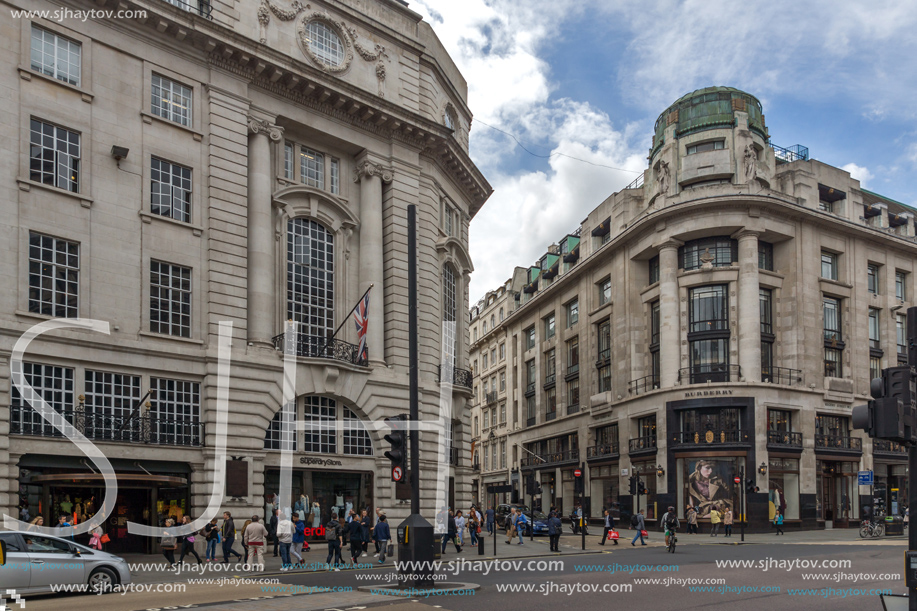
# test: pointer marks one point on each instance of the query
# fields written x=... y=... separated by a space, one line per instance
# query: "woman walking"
x=473 y=527
x=727 y=521
x=244 y=541
x=187 y=543
x=692 y=520
x=169 y=543
x=715 y=518
x=356 y=539
x=778 y=522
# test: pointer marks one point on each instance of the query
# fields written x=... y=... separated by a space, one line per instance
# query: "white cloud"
x=859 y=173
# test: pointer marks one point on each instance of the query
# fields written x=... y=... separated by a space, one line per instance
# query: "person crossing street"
x=637 y=522
x=670 y=524
x=609 y=526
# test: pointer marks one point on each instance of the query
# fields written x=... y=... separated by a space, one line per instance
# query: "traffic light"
x=537 y=488
x=530 y=484
x=749 y=485
x=397 y=439
x=892 y=414
x=641 y=487
x=632 y=484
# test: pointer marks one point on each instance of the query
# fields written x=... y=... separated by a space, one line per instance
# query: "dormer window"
x=703 y=147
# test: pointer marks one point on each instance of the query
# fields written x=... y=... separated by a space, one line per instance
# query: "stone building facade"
x=722 y=313
x=242 y=162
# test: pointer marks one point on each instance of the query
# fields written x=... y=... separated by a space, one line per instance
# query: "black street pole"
x=742 y=500
x=495 y=524
x=911 y=327
x=582 y=502
x=412 y=359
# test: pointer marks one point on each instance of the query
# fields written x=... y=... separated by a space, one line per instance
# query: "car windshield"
x=540 y=516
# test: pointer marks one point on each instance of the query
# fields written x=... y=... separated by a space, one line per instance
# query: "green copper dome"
x=709 y=108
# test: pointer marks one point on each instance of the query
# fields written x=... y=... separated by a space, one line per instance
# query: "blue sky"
x=587 y=79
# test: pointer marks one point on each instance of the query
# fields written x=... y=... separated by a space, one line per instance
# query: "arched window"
x=356 y=438
x=310 y=277
x=274 y=435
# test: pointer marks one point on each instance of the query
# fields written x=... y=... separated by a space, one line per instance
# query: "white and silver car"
x=34 y=562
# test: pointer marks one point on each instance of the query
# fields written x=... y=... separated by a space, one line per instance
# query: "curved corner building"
x=717 y=318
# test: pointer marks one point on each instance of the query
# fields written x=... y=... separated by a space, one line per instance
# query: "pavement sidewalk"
x=569 y=544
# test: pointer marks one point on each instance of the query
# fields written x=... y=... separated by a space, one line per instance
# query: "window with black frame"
x=708 y=334
x=765 y=301
x=721 y=251
x=765 y=256
x=654 y=343
x=834 y=346
x=725 y=424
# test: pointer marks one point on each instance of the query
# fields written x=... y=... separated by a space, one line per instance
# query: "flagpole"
x=350 y=312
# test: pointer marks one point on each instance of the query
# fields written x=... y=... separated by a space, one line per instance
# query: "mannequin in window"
x=316 y=515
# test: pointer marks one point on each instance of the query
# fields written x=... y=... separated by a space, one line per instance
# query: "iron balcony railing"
x=784 y=439
x=573 y=409
x=838 y=442
x=202 y=8
x=550 y=380
x=551 y=415
x=604 y=358
x=797 y=152
x=530 y=421
x=550 y=458
x=883 y=446
x=150 y=428
x=718 y=372
x=530 y=388
x=317 y=347
x=448 y=374
x=603 y=450
x=710 y=437
x=833 y=335
x=782 y=375
x=644 y=384
x=476 y=466
x=490 y=398
x=639 y=444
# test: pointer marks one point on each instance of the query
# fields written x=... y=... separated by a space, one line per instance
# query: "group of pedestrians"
x=358 y=530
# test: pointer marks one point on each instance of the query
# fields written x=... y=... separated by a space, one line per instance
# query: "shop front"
x=319 y=492
x=890 y=466
x=149 y=492
x=837 y=493
x=603 y=460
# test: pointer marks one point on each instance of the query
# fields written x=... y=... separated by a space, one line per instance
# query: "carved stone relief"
x=348 y=34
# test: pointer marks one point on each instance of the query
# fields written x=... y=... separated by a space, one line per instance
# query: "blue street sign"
x=864 y=478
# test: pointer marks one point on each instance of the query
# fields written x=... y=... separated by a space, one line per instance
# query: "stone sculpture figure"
x=751 y=163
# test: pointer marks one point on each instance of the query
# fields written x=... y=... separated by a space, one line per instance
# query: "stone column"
x=260 y=232
x=371 y=175
x=669 y=331
x=749 y=318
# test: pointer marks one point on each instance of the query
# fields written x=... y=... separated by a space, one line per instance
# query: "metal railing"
x=454 y=459
x=782 y=375
x=833 y=335
x=644 y=384
x=573 y=409
x=551 y=415
x=150 y=428
x=784 y=439
x=317 y=347
x=642 y=443
x=700 y=374
x=476 y=466
x=797 y=152
x=883 y=446
x=710 y=437
x=550 y=380
x=201 y=7
x=605 y=450
x=455 y=376
x=838 y=442
x=637 y=182
x=490 y=398
x=550 y=458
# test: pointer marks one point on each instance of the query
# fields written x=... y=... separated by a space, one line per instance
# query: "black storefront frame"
x=673 y=411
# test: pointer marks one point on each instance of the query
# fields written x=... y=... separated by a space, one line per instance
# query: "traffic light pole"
x=742 y=502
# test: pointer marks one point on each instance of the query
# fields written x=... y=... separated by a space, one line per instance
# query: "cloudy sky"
x=580 y=84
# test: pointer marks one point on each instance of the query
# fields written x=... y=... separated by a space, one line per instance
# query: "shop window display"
x=708 y=483
x=783 y=488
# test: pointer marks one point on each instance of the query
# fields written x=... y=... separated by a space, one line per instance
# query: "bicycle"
x=870 y=528
x=671 y=535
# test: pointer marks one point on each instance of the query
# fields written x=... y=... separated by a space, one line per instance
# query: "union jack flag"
x=361 y=318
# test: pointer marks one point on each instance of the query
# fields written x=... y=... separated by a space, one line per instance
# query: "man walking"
x=255 y=537
x=691 y=514
x=383 y=536
x=509 y=523
x=521 y=522
x=229 y=537
x=609 y=526
x=285 y=537
x=335 y=537
x=490 y=520
x=639 y=524
x=272 y=528
x=554 y=529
